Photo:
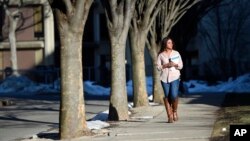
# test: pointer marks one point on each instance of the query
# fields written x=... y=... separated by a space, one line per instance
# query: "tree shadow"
x=213 y=99
x=219 y=99
x=236 y=99
x=24 y=120
x=53 y=136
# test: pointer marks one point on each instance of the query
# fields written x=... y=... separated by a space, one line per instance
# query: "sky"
x=23 y=85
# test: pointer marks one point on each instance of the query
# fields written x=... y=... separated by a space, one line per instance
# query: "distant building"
x=34 y=36
x=38 y=43
x=96 y=48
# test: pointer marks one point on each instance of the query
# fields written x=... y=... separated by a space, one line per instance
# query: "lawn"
x=235 y=110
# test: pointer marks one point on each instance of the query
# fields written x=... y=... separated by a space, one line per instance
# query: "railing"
x=42 y=74
x=48 y=74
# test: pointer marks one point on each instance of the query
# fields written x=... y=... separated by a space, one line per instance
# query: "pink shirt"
x=169 y=74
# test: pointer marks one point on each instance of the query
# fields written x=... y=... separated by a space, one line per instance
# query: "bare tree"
x=222 y=32
x=184 y=32
x=118 y=15
x=71 y=18
x=13 y=10
x=171 y=12
x=145 y=13
x=13 y=18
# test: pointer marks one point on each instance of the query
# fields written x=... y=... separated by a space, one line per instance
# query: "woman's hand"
x=169 y=65
x=174 y=64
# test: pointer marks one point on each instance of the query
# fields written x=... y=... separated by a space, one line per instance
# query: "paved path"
x=34 y=114
x=197 y=114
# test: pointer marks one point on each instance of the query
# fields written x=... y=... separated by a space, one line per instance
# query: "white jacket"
x=169 y=74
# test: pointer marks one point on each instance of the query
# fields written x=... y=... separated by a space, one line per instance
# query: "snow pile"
x=25 y=86
x=97 y=124
x=239 y=85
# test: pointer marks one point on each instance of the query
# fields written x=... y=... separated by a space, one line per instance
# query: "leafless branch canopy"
x=118 y=13
x=145 y=13
x=171 y=13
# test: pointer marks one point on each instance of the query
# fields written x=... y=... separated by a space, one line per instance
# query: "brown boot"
x=175 y=106
x=168 y=110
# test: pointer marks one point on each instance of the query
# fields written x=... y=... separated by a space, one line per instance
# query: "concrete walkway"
x=197 y=114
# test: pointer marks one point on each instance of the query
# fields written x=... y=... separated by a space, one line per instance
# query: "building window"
x=103 y=28
x=88 y=35
x=38 y=22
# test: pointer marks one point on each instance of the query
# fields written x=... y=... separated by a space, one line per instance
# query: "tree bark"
x=118 y=15
x=158 y=93
x=72 y=111
x=145 y=13
x=71 y=18
x=118 y=108
x=168 y=16
x=13 y=20
x=154 y=49
x=140 y=96
x=12 y=40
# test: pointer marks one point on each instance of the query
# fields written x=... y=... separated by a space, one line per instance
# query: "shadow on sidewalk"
x=51 y=136
x=213 y=99
x=219 y=99
x=236 y=99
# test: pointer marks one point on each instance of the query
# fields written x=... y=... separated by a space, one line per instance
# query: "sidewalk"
x=197 y=114
x=31 y=115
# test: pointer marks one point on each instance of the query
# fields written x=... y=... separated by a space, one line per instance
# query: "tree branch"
x=69 y=8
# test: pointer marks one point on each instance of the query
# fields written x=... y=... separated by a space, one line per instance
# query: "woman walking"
x=169 y=62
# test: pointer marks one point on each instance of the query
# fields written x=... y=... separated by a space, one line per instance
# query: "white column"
x=49 y=39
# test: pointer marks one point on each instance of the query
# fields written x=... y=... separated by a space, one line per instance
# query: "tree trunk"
x=118 y=15
x=13 y=20
x=73 y=120
x=118 y=109
x=140 y=96
x=72 y=116
x=71 y=25
x=154 y=48
x=169 y=15
x=144 y=16
x=158 y=93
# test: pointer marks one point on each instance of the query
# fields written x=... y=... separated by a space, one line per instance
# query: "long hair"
x=163 y=44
